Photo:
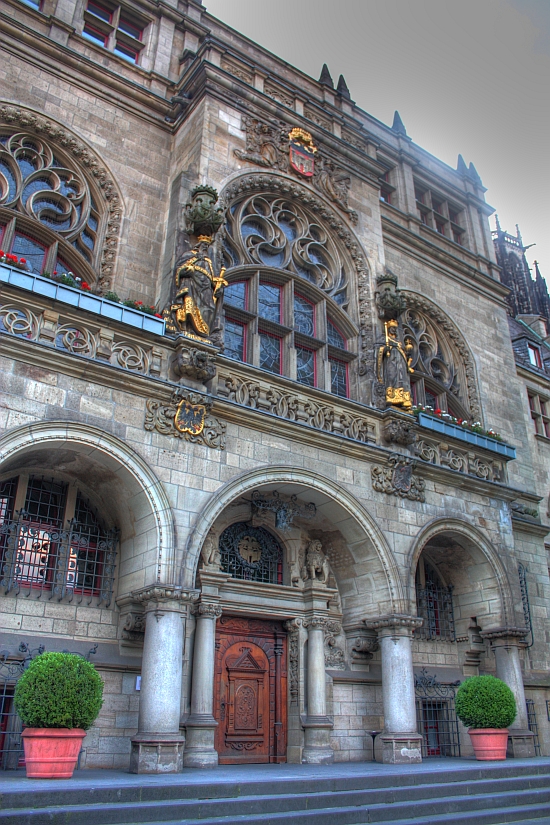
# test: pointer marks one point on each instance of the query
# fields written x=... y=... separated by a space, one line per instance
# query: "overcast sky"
x=471 y=76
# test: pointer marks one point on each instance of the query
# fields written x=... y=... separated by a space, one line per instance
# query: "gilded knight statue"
x=393 y=366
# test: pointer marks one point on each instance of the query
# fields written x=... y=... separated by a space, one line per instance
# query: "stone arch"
x=93 y=167
x=368 y=548
x=444 y=322
x=472 y=552
x=123 y=483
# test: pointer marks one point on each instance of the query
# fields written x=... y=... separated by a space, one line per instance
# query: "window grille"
x=41 y=556
x=533 y=725
x=251 y=553
x=436 y=717
x=434 y=603
x=522 y=573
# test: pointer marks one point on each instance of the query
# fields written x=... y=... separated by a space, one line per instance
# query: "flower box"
x=83 y=300
x=437 y=425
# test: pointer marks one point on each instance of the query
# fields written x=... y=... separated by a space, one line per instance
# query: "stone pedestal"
x=400 y=740
x=158 y=745
x=317 y=726
x=201 y=725
x=505 y=643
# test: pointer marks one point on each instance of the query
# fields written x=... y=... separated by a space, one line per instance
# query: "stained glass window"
x=339 y=378
x=269 y=302
x=234 y=340
x=251 y=553
x=304 y=316
x=334 y=337
x=270 y=352
x=31 y=250
x=235 y=294
x=305 y=366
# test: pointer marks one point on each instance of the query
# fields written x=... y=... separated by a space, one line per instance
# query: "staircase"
x=446 y=791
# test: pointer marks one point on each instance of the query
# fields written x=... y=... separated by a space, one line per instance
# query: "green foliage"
x=485 y=702
x=59 y=690
x=112 y=296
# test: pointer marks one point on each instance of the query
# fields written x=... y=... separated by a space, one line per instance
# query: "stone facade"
x=356 y=544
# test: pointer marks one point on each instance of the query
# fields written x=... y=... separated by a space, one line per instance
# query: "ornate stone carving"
x=334 y=654
x=210 y=553
x=133 y=629
x=390 y=303
x=278 y=94
x=242 y=391
x=427 y=452
x=397 y=479
x=207 y=610
x=187 y=416
x=164 y=594
x=286 y=508
x=316 y=565
x=238 y=70
x=393 y=367
x=193 y=361
x=399 y=431
x=521 y=510
x=393 y=620
x=268 y=146
x=293 y=627
x=495 y=633
x=86 y=158
x=363 y=647
x=202 y=216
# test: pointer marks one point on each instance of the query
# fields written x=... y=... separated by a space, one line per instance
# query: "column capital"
x=322 y=623
x=505 y=635
x=164 y=597
x=207 y=610
x=393 y=622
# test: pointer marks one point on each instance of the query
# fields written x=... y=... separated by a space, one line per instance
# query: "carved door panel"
x=250 y=691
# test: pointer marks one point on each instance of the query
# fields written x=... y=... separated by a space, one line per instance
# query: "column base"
x=317 y=750
x=521 y=744
x=157 y=753
x=199 y=746
x=401 y=748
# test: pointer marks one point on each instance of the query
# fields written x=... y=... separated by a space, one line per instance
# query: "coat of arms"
x=190 y=418
x=302 y=152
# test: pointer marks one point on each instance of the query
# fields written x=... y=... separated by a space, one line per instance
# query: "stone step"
x=434 y=801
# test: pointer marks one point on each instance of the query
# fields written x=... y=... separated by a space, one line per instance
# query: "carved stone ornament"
x=293 y=627
x=207 y=610
x=397 y=479
x=363 y=648
x=186 y=416
x=193 y=361
x=83 y=156
x=390 y=303
x=393 y=367
x=399 y=431
x=285 y=509
x=274 y=147
x=210 y=553
x=316 y=565
x=133 y=629
x=202 y=216
x=393 y=621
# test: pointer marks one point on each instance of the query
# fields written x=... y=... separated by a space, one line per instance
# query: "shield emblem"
x=190 y=418
x=402 y=477
x=302 y=152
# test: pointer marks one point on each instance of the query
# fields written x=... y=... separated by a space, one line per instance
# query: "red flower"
x=84 y=285
x=2 y=253
x=22 y=261
x=139 y=303
x=158 y=315
x=437 y=412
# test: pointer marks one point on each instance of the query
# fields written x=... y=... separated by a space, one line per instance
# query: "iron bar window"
x=533 y=725
x=436 y=716
x=434 y=603
x=522 y=574
x=251 y=553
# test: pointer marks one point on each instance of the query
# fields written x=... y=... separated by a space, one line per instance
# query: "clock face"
x=249 y=549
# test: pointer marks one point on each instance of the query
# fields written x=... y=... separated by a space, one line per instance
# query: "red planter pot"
x=52 y=753
x=489 y=743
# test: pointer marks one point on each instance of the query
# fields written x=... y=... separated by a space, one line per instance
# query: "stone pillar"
x=158 y=744
x=401 y=742
x=201 y=725
x=317 y=725
x=505 y=643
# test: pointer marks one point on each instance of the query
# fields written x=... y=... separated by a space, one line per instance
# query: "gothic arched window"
x=287 y=295
x=49 y=211
x=251 y=553
x=438 y=379
x=434 y=603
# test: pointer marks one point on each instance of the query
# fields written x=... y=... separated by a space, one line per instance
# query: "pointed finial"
x=398 y=125
x=325 y=78
x=342 y=88
x=474 y=174
x=538 y=276
x=497 y=223
x=518 y=236
x=461 y=167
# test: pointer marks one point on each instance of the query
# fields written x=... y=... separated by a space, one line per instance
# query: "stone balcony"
x=35 y=309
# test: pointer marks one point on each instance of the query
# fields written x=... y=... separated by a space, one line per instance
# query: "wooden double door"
x=250 y=691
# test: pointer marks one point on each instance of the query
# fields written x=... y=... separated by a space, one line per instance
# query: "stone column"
x=158 y=744
x=401 y=742
x=505 y=643
x=317 y=725
x=201 y=725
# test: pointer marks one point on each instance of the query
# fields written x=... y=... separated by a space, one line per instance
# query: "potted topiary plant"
x=58 y=698
x=486 y=706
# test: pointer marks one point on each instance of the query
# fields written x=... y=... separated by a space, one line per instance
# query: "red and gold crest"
x=302 y=152
x=190 y=418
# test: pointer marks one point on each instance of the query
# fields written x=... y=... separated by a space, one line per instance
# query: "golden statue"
x=198 y=296
x=394 y=368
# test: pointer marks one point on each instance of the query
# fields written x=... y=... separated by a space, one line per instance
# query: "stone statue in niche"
x=394 y=367
x=316 y=565
x=198 y=282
